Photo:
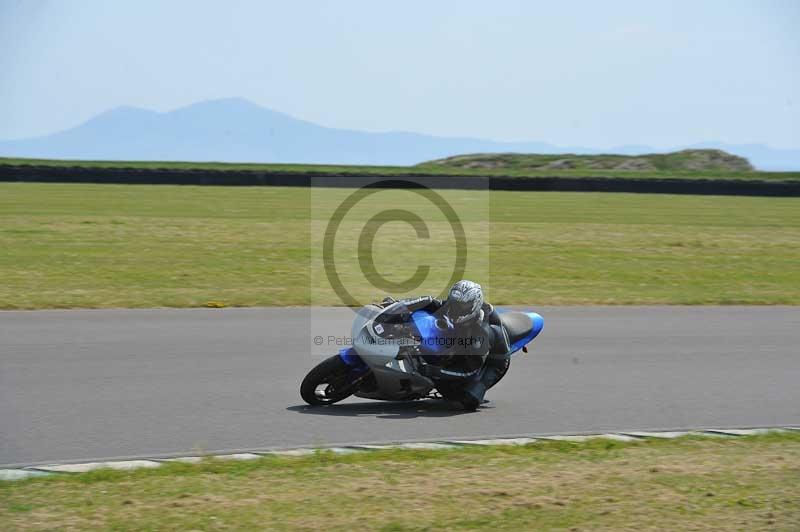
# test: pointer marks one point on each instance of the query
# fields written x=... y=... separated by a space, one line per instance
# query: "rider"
x=477 y=355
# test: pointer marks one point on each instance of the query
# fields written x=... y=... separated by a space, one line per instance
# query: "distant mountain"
x=236 y=130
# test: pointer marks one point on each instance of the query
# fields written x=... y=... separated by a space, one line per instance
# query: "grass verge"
x=747 y=483
x=66 y=246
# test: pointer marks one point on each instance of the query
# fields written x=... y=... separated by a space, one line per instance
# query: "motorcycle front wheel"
x=328 y=382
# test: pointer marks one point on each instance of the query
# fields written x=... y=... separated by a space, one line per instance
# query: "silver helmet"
x=464 y=302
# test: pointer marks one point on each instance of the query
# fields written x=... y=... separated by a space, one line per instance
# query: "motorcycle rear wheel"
x=328 y=382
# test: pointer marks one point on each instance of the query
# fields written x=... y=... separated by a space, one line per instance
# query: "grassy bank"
x=685 y=160
x=145 y=246
x=431 y=169
x=699 y=484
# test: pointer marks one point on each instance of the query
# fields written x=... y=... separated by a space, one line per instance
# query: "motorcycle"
x=393 y=351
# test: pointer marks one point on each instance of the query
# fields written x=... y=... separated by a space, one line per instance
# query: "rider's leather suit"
x=475 y=353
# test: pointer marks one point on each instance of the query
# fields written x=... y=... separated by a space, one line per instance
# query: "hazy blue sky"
x=596 y=74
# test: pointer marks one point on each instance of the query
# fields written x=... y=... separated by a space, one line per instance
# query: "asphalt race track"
x=95 y=384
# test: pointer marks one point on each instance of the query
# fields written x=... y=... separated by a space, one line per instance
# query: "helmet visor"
x=458 y=311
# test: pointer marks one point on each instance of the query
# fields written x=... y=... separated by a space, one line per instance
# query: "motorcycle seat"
x=518 y=325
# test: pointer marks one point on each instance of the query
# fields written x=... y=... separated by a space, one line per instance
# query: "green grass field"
x=747 y=483
x=147 y=246
x=420 y=170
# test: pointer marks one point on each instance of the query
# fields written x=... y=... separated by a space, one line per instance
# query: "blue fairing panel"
x=425 y=322
x=351 y=358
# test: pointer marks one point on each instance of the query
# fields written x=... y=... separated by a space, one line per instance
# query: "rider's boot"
x=475 y=391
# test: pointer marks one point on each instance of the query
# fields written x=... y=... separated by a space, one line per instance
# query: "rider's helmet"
x=464 y=302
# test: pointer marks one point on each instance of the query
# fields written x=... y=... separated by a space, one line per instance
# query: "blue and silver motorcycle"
x=392 y=362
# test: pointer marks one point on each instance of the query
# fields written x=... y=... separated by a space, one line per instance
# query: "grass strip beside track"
x=747 y=483
x=67 y=246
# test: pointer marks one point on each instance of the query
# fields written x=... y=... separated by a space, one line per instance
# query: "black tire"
x=334 y=373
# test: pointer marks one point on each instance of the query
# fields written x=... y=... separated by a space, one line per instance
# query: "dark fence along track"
x=136 y=176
